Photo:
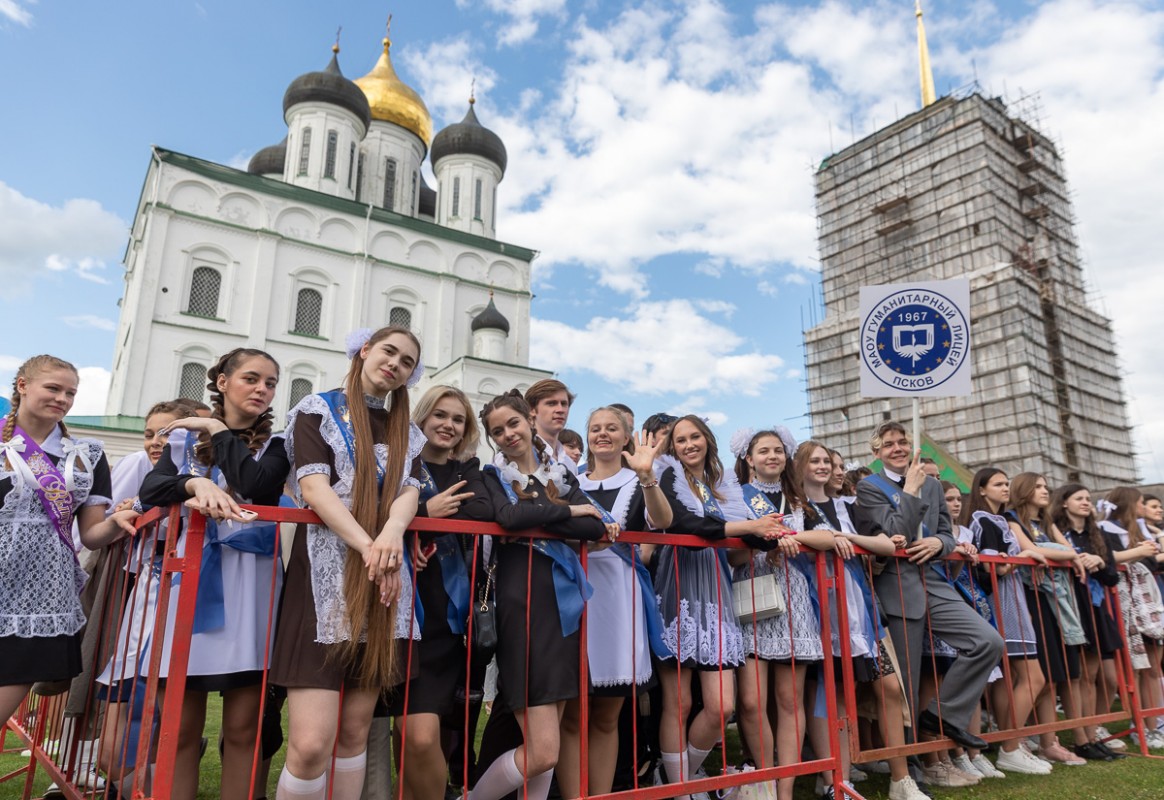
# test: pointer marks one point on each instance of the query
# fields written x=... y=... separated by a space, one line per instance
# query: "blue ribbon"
x=570 y=585
x=758 y=502
x=338 y=403
x=455 y=578
x=210 y=604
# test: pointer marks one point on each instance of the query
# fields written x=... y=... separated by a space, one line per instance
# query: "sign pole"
x=915 y=403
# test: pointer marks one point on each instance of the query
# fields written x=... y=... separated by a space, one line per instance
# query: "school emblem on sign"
x=915 y=340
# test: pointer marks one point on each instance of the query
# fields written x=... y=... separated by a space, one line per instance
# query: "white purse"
x=757 y=598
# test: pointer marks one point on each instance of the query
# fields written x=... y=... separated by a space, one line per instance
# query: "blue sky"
x=661 y=160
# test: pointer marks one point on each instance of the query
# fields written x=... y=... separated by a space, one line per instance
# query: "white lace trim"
x=1012 y=545
x=733 y=505
x=692 y=641
x=41 y=598
x=326 y=552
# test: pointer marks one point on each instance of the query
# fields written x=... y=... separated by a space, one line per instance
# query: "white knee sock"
x=675 y=767
x=502 y=777
x=695 y=759
x=538 y=786
x=347 y=777
x=292 y=788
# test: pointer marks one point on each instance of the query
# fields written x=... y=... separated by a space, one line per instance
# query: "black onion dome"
x=269 y=160
x=427 y=204
x=328 y=86
x=490 y=317
x=469 y=137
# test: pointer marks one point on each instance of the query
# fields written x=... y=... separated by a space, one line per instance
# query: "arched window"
x=192 y=383
x=456 y=197
x=205 y=283
x=477 y=200
x=359 y=176
x=304 y=151
x=390 y=184
x=300 y=388
x=308 y=312
x=330 y=155
x=351 y=163
x=412 y=207
x=401 y=317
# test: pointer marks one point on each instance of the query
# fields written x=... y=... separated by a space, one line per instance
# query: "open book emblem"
x=913 y=341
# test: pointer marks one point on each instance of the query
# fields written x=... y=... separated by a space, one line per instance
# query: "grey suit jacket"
x=874 y=514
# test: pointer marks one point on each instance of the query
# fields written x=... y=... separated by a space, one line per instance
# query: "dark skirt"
x=438 y=659
x=1059 y=663
x=1098 y=624
x=297 y=660
x=553 y=658
x=39 y=658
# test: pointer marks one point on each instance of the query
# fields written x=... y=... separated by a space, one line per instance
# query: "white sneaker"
x=906 y=789
x=1103 y=733
x=943 y=774
x=1019 y=760
x=963 y=765
x=1032 y=743
x=90 y=779
x=987 y=770
x=856 y=775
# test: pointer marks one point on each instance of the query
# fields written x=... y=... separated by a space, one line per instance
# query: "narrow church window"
x=192 y=384
x=308 y=312
x=300 y=388
x=493 y=204
x=477 y=200
x=456 y=197
x=205 y=284
x=359 y=176
x=412 y=208
x=400 y=317
x=329 y=160
x=304 y=151
x=390 y=184
x=351 y=163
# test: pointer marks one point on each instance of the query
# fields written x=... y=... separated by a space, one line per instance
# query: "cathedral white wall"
x=387 y=141
x=322 y=118
x=267 y=249
x=457 y=206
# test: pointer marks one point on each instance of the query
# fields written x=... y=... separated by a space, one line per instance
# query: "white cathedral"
x=332 y=229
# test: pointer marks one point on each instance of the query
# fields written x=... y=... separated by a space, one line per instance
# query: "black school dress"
x=439 y=657
x=1098 y=623
x=529 y=627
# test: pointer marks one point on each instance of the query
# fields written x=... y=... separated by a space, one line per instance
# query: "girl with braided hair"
x=540 y=591
x=48 y=480
x=211 y=464
x=357 y=465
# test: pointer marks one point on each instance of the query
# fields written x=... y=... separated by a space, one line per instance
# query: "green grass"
x=1132 y=778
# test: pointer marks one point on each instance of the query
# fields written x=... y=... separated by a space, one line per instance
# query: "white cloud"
x=75 y=237
x=241 y=159
x=717 y=307
x=446 y=71
x=15 y=11
x=657 y=347
x=767 y=288
x=90 y=321
x=92 y=391
x=522 y=17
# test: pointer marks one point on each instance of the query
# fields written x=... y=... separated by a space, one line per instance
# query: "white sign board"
x=915 y=339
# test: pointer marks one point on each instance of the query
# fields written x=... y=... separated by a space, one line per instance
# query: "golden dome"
x=391 y=100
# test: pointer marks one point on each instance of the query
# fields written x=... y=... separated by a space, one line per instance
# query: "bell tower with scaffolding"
x=969 y=187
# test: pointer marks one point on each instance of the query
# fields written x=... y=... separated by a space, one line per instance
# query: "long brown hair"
x=259 y=431
x=712 y=466
x=789 y=484
x=976 y=501
x=1063 y=522
x=1022 y=489
x=1125 y=498
x=514 y=401
x=370 y=505
x=29 y=370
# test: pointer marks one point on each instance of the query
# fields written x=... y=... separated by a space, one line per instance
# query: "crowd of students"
x=373 y=622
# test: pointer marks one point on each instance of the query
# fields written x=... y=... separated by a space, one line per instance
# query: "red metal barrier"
x=181 y=565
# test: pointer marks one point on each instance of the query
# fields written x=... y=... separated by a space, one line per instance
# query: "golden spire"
x=390 y=99
x=928 y=95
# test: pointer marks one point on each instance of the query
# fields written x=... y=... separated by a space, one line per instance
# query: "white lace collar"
x=769 y=488
x=732 y=505
x=615 y=481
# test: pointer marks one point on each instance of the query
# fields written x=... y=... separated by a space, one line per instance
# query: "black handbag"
x=484 y=613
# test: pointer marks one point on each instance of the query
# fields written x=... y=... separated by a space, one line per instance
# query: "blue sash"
x=258 y=538
x=712 y=509
x=893 y=492
x=428 y=486
x=454 y=574
x=1094 y=587
x=646 y=587
x=758 y=502
x=570 y=585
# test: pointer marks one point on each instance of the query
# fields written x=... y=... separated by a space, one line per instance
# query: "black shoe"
x=1091 y=752
x=1114 y=755
x=929 y=722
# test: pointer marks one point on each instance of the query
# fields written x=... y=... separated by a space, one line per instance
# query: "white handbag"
x=757 y=598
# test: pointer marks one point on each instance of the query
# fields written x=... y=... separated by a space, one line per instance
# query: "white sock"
x=675 y=768
x=347 y=777
x=538 y=786
x=502 y=777
x=292 y=788
x=695 y=758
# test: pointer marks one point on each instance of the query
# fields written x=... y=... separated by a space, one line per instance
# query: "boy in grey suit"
x=909 y=507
